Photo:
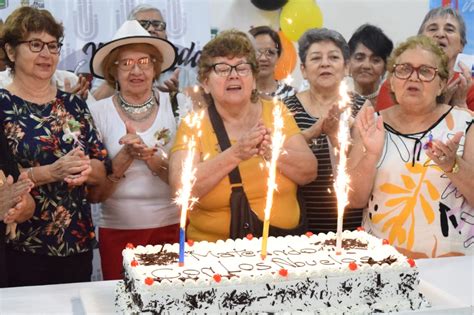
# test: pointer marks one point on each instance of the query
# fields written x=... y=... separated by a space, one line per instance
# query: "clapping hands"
x=74 y=167
x=257 y=141
x=134 y=145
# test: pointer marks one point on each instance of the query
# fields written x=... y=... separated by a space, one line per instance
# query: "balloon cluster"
x=296 y=17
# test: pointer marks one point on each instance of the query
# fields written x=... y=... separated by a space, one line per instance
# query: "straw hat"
x=131 y=32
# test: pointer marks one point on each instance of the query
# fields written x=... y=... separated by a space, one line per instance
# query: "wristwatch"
x=109 y=172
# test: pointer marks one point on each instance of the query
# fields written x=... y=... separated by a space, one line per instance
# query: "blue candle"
x=181 y=246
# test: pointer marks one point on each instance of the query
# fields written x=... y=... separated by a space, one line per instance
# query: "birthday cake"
x=299 y=273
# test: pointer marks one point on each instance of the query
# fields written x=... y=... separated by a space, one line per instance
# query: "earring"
x=117 y=87
x=254 y=96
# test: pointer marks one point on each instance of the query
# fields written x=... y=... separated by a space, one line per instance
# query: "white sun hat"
x=131 y=32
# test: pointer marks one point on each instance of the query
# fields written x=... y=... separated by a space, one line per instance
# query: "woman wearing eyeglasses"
x=447 y=27
x=52 y=138
x=268 y=50
x=138 y=128
x=412 y=164
x=227 y=72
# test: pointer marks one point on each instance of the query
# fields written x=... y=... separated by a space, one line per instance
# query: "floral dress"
x=40 y=135
x=414 y=204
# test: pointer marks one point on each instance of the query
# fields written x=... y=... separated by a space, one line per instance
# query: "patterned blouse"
x=319 y=195
x=414 y=204
x=40 y=135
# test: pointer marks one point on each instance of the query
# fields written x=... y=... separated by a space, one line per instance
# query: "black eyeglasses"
x=223 y=69
x=37 y=45
x=144 y=63
x=157 y=24
x=268 y=52
x=424 y=73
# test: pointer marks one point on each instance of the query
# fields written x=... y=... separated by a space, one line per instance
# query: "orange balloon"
x=287 y=62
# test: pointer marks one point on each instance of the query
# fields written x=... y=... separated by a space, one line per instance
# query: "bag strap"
x=224 y=143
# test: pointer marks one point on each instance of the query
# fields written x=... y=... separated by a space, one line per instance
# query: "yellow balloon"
x=297 y=16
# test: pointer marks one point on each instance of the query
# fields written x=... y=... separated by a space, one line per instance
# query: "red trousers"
x=113 y=241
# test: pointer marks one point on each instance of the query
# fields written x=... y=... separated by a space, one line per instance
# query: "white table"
x=453 y=275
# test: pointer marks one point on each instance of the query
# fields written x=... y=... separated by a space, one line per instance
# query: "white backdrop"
x=88 y=23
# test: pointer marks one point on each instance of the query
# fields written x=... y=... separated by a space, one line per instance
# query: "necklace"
x=137 y=112
x=370 y=96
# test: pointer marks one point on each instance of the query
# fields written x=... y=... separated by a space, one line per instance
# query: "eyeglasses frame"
x=415 y=69
x=60 y=45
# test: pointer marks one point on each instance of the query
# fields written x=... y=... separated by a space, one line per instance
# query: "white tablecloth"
x=453 y=275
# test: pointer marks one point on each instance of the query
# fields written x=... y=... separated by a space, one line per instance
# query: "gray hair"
x=316 y=35
x=443 y=11
x=142 y=8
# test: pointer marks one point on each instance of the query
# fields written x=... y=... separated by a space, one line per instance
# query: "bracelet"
x=113 y=178
x=455 y=168
x=31 y=175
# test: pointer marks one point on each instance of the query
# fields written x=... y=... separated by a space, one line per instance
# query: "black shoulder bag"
x=243 y=220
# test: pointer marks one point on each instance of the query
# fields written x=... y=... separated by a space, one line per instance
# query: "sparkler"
x=277 y=143
x=341 y=184
x=183 y=196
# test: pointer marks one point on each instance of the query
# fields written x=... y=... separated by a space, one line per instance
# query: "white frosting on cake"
x=299 y=273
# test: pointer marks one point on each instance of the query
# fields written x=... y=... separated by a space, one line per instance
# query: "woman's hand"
x=371 y=130
x=134 y=145
x=81 y=88
x=330 y=125
x=444 y=154
x=80 y=178
x=11 y=193
x=456 y=92
x=249 y=143
x=74 y=165
x=265 y=146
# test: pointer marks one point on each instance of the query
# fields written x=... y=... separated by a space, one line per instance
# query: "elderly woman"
x=50 y=133
x=369 y=48
x=446 y=26
x=324 y=56
x=137 y=126
x=412 y=165
x=227 y=71
x=269 y=49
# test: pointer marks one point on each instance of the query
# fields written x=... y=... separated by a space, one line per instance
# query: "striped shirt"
x=319 y=195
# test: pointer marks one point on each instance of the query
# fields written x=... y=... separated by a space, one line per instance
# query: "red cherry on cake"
x=217 y=277
x=134 y=263
x=360 y=228
x=149 y=281
x=352 y=266
x=309 y=234
x=385 y=242
x=249 y=236
x=283 y=272
x=411 y=262
x=130 y=246
x=190 y=242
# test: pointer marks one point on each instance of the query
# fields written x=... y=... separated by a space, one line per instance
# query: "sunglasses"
x=157 y=24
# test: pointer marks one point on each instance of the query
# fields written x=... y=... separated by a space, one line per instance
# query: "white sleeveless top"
x=414 y=204
x=141 y=200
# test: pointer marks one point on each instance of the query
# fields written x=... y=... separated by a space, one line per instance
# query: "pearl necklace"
x=137 y=112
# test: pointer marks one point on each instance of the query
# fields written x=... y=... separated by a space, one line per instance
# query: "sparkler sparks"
x=341 y=184
x=184 y=196
x=277 y=144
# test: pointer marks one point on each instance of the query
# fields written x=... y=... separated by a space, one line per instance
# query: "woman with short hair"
x=52 y=136
x=324 y=56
